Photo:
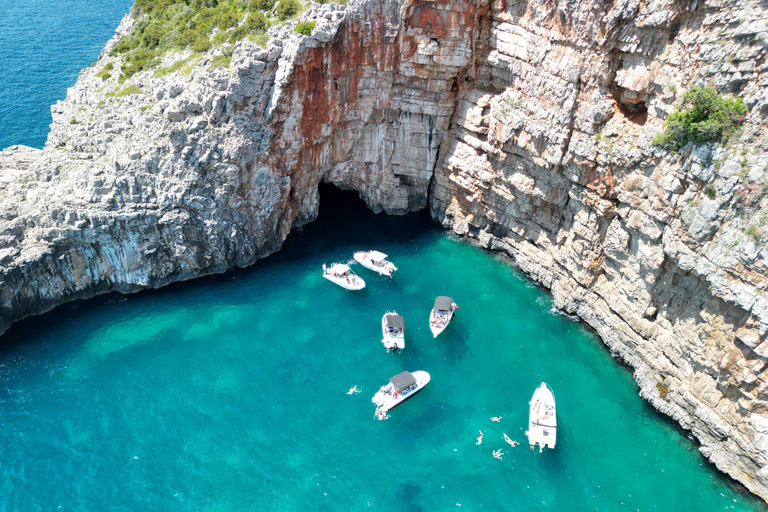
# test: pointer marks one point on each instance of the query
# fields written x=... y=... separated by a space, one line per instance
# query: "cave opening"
x=345 y=221
x=631 y=104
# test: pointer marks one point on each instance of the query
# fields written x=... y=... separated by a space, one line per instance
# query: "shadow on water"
x=408 y=495
x=453 y=345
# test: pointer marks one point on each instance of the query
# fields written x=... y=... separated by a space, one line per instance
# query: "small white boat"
x=401 y=387
x=441 y=315
x=393 y=330
x=376 y=261
x=343 y=276
x=542 y=421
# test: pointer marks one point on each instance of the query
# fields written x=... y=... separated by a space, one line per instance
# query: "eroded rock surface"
x=527 y=126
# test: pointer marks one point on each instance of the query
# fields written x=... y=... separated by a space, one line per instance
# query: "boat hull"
x=385 y=402
x=542 y=418
x=386 y=270
x=355 y=283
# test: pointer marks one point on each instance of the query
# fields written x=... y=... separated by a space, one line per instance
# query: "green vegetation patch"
x=104 y=74
x=171 y=25
x=184 y=66
x=702 y=116
x=259 y=39
x=288 y=9
x=222 y=60
x=305 y=27
x=753 y=233
x=128 y=90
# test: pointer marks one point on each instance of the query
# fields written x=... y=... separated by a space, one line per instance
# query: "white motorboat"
x=542 y=421
x=401 y=387
x=393 y=330
x=343 y=276
x=441 y=315
x=376 y=261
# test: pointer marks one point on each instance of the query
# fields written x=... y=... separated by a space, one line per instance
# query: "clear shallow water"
x=229 y=393
x=43 y=46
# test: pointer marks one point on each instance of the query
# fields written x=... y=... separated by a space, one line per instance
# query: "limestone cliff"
x=526 y=125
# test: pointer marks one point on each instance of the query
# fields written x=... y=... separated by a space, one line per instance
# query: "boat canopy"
x=339 y=268
x=403 y=381
x=395 y=321
x=443 y=303
x=377 y=256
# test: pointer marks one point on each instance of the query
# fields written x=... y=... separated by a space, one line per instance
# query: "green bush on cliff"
x=305 y=27
x=287 y=9
x=702 y=116
x=168 y=25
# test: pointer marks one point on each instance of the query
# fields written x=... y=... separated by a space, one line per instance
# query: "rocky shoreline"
x=525 y=126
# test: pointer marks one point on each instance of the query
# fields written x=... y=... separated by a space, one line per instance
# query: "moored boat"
x=376 y=261
x=343 y=276
x=401 y=387
x=441 y=314
x=542 y=420
x=393 y=330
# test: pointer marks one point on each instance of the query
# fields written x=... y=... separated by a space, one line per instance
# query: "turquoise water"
x=230 y=393
x=43 y=47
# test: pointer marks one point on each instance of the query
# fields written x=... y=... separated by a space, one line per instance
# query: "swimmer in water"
x=496 y=419
x=498 y=454
x=353 y=389
x=511 y=442
x=480 y=437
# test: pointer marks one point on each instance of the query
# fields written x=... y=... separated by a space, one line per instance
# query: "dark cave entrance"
x=631 y=104
x=344 y=220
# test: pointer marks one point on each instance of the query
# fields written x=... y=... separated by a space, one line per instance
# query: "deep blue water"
x=43 y=47
x=230 y=392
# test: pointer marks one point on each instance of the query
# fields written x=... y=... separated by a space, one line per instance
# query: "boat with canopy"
x=376 y=261
x=401 y=387
x=441 y=315
x=342 y=275
x=393 y=330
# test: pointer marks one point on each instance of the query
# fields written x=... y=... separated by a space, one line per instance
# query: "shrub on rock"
x=702 y=116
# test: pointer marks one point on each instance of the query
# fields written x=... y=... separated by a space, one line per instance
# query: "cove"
x=229 y=392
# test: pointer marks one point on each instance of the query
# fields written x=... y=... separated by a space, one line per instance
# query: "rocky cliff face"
x=524 y=125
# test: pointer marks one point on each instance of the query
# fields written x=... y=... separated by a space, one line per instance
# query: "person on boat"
x=496 y=419
x=480 y=437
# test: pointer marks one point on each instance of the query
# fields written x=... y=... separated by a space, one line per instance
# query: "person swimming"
x=498 y=454
x=353 y=389
x=480 y=437
x=496 y=418
x=511 y=442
